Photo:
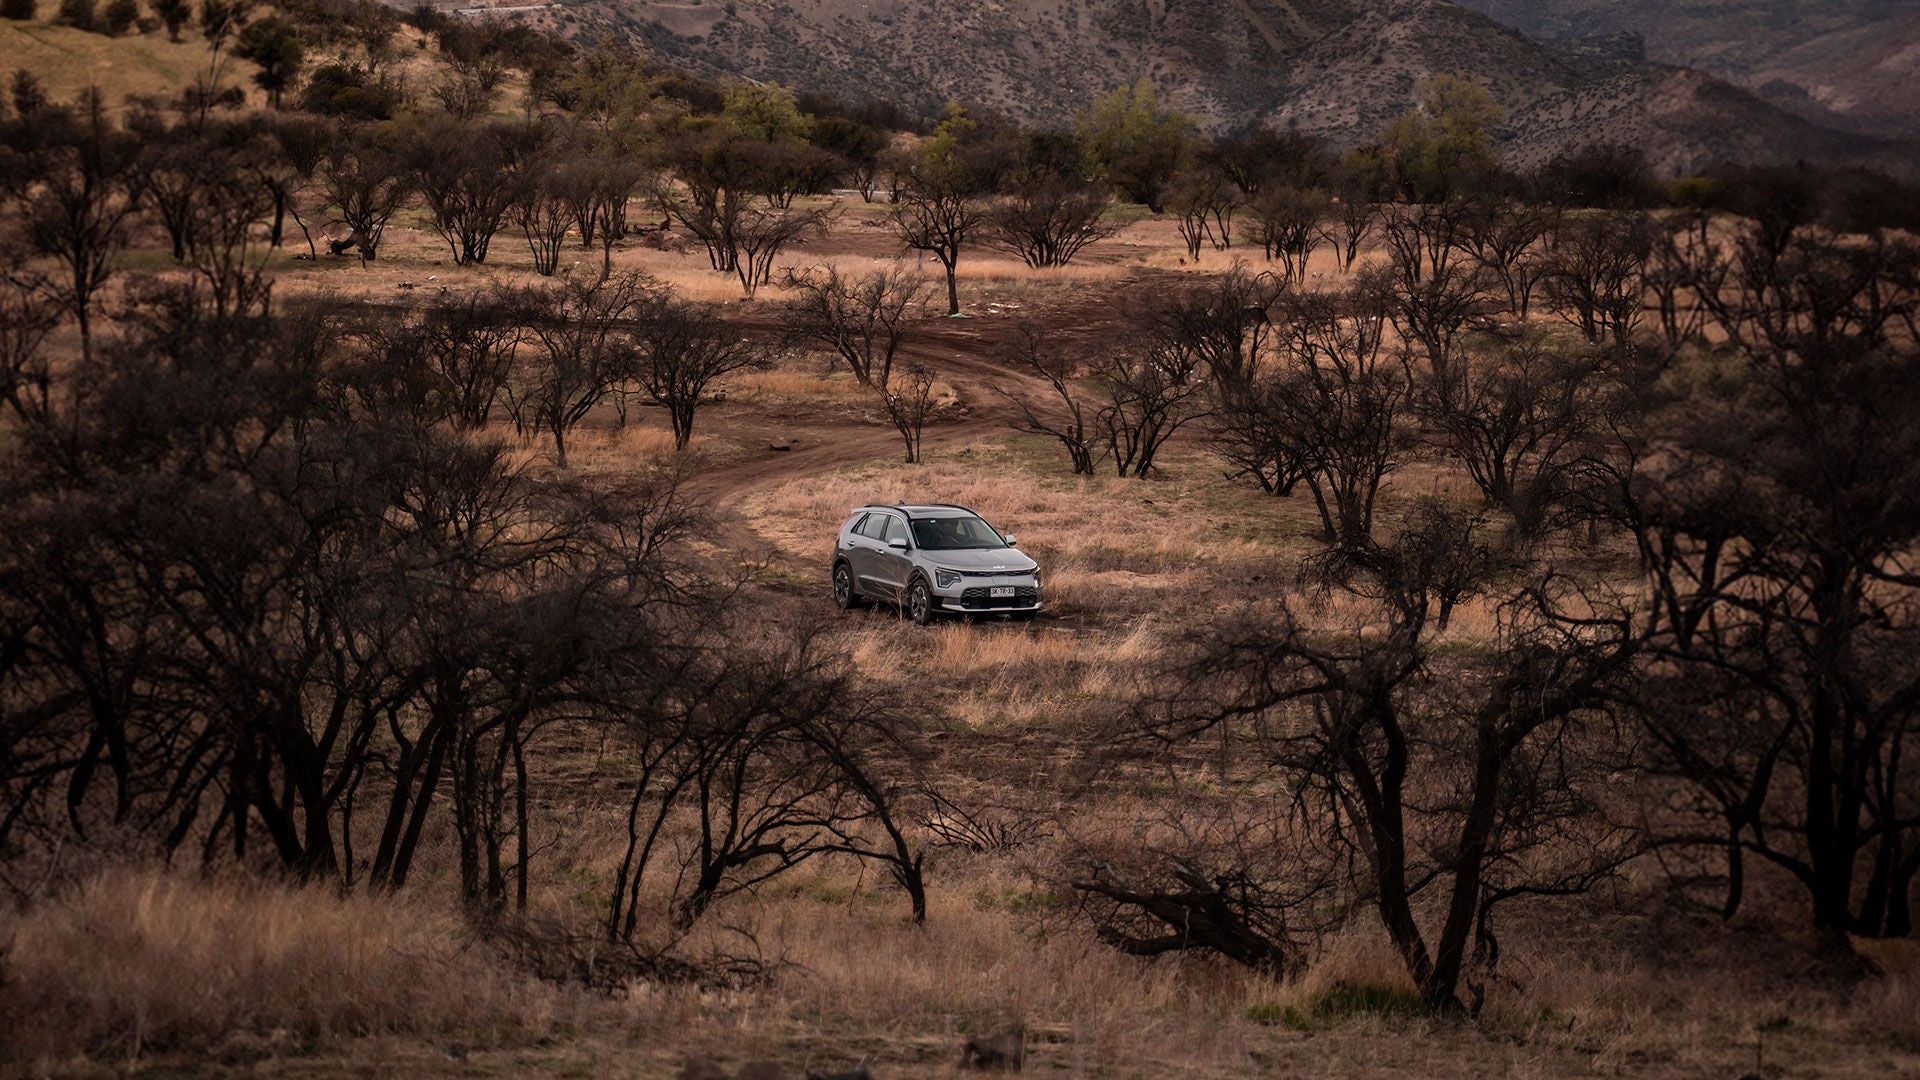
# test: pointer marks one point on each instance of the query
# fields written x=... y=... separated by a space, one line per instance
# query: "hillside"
x=67 y=61
x=1335 y=67
x=1853 y=64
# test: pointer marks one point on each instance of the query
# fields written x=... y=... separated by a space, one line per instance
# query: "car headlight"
x=946 y=579
x=1036 y=579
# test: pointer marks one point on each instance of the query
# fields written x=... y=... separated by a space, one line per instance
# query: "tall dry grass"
x=138 y=961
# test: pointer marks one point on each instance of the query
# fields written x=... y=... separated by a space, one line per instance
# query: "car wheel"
x=920 y=601
x=843 y=595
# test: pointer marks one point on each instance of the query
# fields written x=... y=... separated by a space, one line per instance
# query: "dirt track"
x=961 y=352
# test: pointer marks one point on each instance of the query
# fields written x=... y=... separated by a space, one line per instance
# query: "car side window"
x=871 y=526
x=896 y=530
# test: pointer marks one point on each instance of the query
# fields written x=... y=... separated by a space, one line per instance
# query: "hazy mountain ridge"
x=1339 y=68
x=1853 y=64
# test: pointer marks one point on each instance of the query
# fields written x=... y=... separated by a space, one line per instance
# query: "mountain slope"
x=1339 y=68
x=1847 y=63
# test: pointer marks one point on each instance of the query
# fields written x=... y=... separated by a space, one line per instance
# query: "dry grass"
x=68 y=61
x=811 y=382
x=137 y=961
x=1084 y=525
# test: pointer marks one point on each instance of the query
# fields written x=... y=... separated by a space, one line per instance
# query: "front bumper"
x=975 y=595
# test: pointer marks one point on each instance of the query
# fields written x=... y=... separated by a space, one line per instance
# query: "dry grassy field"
x=155 y=971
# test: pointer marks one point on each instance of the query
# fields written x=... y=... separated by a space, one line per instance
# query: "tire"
x=845 y=597
x=920 y=601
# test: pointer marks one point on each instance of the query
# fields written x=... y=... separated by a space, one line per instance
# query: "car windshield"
x=952 y=533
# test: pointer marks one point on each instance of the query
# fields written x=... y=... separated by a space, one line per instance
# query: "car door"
x=891 y=564
x=866 y=554
x=857 y=549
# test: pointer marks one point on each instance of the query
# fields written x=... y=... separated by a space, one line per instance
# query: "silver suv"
x=932 y=559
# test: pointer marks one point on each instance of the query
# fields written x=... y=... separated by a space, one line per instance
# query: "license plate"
x=1001 y=592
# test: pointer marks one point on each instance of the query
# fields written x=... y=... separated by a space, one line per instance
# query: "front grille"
x=1024 y=596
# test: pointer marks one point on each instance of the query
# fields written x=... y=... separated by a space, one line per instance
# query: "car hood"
x=976 y=559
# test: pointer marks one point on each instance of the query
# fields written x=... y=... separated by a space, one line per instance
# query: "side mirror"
x=897 y=543
x=1010 y=539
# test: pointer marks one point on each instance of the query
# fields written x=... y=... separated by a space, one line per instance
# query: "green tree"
x=935 y=208
x=118 y=17
x=274 y=46
x=78 y=14
x=1441 y=144
x=613 y=87
x=174 y=15
x=1139 y=141
x=767 y=112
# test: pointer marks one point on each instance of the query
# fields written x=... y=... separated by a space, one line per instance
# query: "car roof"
x=920 y=510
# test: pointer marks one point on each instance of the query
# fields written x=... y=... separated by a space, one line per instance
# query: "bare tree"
x=1505 y=233
x=1771 y=506
x=910 y=403
x=1519 y=417
x=77 y=202
x=1436 y=285
x=1341 y=401
x=1205 y=201
x=584 y=351
x=773 y=754
x=684 y=348
x=26 y=377
x=1287 y=223
x=366 y=185
x=937 y=214
x=470 y=176
x=1358 y=215
x=1149 y=393
x=544 y=214
x=863 y=320
x=454 y=357
x=760 y=235
x=1480 y=790
x=1595 y=273
x=1032 y=348
x=1047 y=223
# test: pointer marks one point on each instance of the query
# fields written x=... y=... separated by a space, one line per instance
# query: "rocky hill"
x=1336 y=67
x=1853 y=64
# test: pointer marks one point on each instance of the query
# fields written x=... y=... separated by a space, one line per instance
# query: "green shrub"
x=76 y=13
x=118 y=17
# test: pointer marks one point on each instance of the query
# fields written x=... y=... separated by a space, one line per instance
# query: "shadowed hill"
x=1339 y=68
x=1853 y=64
